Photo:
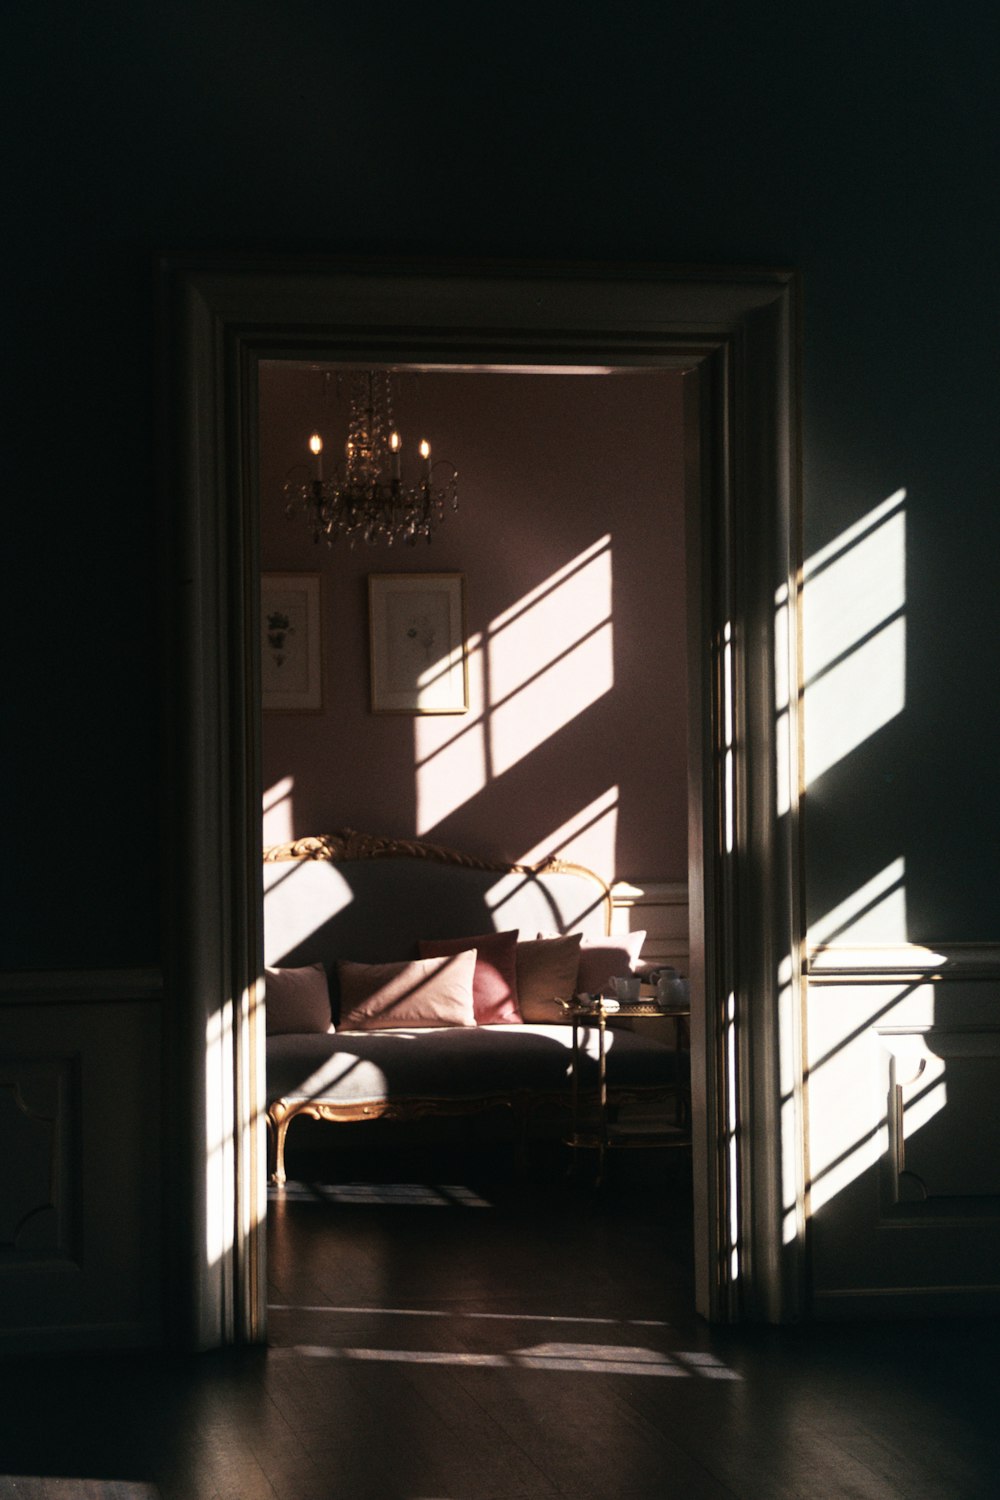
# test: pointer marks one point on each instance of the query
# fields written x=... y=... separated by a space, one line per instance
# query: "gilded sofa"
x=341 y=907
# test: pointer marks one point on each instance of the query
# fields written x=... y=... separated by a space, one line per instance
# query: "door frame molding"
x=734 y=333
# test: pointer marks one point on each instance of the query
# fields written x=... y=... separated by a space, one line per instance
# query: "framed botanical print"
x=291 y=662
x=417 y=643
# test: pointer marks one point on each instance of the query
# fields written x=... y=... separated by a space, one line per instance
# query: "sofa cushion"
x=297 y=1000
x=494 y=989
x=461 y=1062
x=602 y=958
x=421 y=992
x=546 y=973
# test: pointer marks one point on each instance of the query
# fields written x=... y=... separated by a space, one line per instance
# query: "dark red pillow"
x=494 y=985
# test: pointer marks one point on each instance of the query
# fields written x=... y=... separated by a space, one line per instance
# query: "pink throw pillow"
x=494 y=990
x=297 y=1000
x=546 y=973
x=421 y=992
x=602 y=958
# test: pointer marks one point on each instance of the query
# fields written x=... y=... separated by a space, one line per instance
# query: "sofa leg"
x=279 y=1129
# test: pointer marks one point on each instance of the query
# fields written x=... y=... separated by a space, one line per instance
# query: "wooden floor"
x=442 y=1330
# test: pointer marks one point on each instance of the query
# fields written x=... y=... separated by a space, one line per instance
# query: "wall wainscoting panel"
x=903 y=1071
x=39 y=1122
x=944 y=1140
x=80 y=1164
x=660 y=907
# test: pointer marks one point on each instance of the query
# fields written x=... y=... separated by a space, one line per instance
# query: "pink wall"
x=571 y=486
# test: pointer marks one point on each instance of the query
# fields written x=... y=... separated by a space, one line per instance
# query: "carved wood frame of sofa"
x=369 y=899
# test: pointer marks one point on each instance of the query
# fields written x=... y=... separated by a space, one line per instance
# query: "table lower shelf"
x=634 y=1136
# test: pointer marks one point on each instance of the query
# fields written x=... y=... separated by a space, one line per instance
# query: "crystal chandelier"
x=367 y=500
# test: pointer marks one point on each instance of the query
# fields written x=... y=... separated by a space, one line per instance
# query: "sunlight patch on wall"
x=588 y=838
x=919 y=1075
x=538 y=665
x=854 y=635
x=278 y=812
x=854 y=1040
x=550 y=656
x=554 y=699
x=871 y=1075
x=875 y=912
x=451 y=754
x=848 y=1121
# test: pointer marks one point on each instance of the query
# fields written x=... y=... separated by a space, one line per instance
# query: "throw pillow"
x=546 y=973
x=297 y=1000
x=494 y=990
x=420 y=992
x=602 y=958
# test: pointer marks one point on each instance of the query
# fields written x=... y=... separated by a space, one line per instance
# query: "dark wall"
x=853 y=142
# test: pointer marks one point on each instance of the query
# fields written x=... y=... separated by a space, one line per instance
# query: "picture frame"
x=291 y=656
x=419 y=659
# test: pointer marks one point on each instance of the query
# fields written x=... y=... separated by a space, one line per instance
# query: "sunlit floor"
x=443 y=1329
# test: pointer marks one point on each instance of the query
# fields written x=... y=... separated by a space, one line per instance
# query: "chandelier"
x=367 y=499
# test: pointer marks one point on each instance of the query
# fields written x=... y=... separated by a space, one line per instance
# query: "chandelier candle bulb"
x=367 y=498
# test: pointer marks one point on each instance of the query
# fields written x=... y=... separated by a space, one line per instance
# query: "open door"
x=734 y=334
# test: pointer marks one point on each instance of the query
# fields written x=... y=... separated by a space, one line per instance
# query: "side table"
x=599 y=1133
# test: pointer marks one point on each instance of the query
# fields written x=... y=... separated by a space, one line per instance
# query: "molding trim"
x=80 y=986
x=887 y=963
x=650 y=892
x=734 y=332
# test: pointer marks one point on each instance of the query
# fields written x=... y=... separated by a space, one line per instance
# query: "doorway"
x=736 y=336
x=567 y=545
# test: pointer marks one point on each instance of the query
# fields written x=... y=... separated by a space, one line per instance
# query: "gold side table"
x=600 y=1134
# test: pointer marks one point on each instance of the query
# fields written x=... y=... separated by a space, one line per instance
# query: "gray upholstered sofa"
x=337 y=906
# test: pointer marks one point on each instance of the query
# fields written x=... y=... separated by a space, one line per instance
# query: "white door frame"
x=734 y=333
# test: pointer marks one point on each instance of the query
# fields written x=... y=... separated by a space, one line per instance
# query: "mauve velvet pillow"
x=421 y=992
x=297 y=1000
x=494 y=989
x=602 y=958
x=546 y=973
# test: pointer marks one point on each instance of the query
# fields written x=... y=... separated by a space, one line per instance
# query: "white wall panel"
x=903 y=1131
x=660 y=909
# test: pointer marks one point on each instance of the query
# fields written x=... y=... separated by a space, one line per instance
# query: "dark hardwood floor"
x=444 y=1329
